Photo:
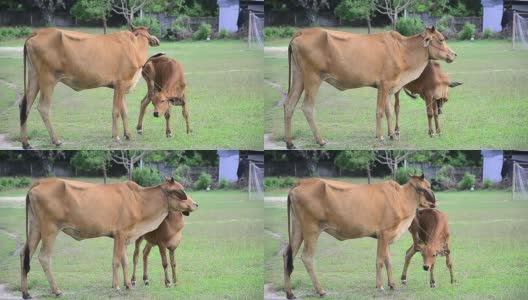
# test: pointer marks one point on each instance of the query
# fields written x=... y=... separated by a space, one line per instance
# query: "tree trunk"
x=369 y=27
x=395 y=19
x=394 y=170
x=368 y=174
x=131 y=169
x=104 y=24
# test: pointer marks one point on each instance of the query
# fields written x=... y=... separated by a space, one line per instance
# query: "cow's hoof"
x=290 y=296
x=26 y=146
x=392 y=286
x=128 y=286
x=146 y=282
x=118 y=289
x=169 y=134
x=117 y=140
x=57 y=143
x=433 y=285
x=58 y=294
x=26 y=296
x=127 y=136
x=139 y=131
x=133 y=282
x=290 y=146
x=321 y=143
x=322 y=294
x=381 y=289
x=189 y=131
x=404 y=281
x=168 y=285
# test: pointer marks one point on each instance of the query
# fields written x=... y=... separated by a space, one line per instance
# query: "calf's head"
x=429 y=253
x=435 y=43
x=424 y=190
x=144 y=32
x=162 y=101
x=178 y=199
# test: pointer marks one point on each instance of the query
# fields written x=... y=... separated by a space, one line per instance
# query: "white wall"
x=228 y=17
x=228 y=165
x=492 y=18
x=492 y=166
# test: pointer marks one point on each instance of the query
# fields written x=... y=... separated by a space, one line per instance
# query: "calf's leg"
x=432 y=281
x=173 y=264
x=168 y=131
x=409 y=254
x=146 y=252
x=135 y=258
x=144 y=103
x=48 y=235
x=437 y=123
x=397 y=112
x=429 y=110
x=165 y=264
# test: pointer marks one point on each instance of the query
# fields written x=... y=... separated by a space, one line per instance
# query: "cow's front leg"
x=388 y=266
x=388 y=114
x=142 y=109
x=168 y=131
x=119 y=244
x=173 y=265
x=124 y=265
x=382 y=253
x=124 y=118
x=116 y=111
x=383 y=93
x=135 y=258
x=310 y=245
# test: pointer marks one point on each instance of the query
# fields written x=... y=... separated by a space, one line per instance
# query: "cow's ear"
x=422 y=177
x=433 y=29
x=172 y=179
x=181 y=194
x=426 y=41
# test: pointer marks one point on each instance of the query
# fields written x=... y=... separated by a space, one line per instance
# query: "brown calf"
x=430 y=233
x=166 y=86
x=167 y=236
x=432 y=86
x=383 y=211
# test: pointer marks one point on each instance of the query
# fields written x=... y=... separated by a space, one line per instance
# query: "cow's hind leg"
x=388 y=114
x=119 y=95
x=289 y=256
x=25 y=106
x=124 y=266
x=383 y=94
x=137 y=245
x=397 y=112
x=311 y=87
x=47 y=85
x=408 y=255
x=310 y=245
x=26 y=255
x=388 y=266
x=168 y=131
x=142 y=109
x=146 y=252
x=381 y=260
x=48 y=235
x=294 y=95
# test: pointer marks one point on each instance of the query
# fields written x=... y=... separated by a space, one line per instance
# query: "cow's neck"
x=416 y=54
x=143 y=44
x=412 y=199
x=154 y=202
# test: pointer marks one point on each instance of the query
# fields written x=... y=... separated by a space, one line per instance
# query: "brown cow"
x=123 y=211
x=166 y=85
x=383 y=211
x=433 y=87
x=81 y=61
x=167 y=236
x=430 y=233
x=386 y=61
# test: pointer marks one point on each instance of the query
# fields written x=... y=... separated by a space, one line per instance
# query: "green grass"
x=224 y=87
x=489 y=111
x=489 y=250
x=220 y=256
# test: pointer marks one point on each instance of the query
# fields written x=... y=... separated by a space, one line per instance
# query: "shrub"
x=180 y=29
x=14 y=32
x=181 y=174
x=146 y=176
x=224 y=34
x=7 y=183
x=279 y=182
x=224 y=184
x=410 y=26
x=488 y=184
x=467 y=182
x=278 y=32
x=203 y=32
x=488 y=34
x=446 y=26
x=444 y=179
x=150 y=22
x=21 y=182
x=203 y=182
x=402 y=174
x=467 y=32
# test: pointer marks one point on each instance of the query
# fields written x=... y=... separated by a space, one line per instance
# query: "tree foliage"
x=86 y=10
x=352 y=10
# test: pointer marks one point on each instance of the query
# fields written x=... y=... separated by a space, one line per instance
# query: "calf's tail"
x=289 y=252
x=455 y=84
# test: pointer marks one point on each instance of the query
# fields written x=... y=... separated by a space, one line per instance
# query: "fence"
x=194 y=22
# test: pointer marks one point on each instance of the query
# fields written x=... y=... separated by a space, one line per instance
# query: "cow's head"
x=144 y=32
x=435 y=43
x=178 y=199
x=423 y=188
x=162 y=101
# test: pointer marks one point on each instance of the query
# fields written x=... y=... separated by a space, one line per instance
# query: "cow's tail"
x=409 y=93
x=455 y=84
x=26 y=247
x=289 y=251
x=23 y=102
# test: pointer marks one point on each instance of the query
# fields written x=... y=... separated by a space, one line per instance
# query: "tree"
x=351 y=160
x=351 y=10
x=312 y=8
x=392 y=8
x=392 y=158
x=91 y=161
x=312 y=158
x=128 y=158
x=128 y=8
x=48 y=8
x=86 y=10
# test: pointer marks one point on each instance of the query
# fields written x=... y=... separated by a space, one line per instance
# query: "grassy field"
x=220 y=256
x=489 y=111
x=489 y=250
x=224 y=87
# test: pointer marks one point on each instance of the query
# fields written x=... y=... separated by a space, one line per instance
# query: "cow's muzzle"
x=426 y=267
x=186 y=213
x=156 y=114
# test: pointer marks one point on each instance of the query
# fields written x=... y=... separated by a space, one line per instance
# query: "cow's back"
x=84 y=61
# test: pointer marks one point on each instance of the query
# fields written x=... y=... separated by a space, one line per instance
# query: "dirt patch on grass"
x=269 y=144
x=5 y=143
x=14 y=236
x=269 y=293
x=6 y=295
